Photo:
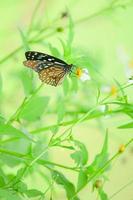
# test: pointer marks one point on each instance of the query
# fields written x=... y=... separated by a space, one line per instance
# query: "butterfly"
x=51 y=70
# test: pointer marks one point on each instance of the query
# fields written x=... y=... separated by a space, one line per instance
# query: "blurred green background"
x=99 y=36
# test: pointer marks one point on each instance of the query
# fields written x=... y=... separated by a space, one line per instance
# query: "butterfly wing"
x=52 y=75
x=34 y=64
x=33 y=55
x=51 y=70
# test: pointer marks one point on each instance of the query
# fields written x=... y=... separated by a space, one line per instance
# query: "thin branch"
x=22 y=105
x=70 y=122
x=102 y=168
x=34 y=15
x=87 y=18
x=122 y=188
x=40 y=161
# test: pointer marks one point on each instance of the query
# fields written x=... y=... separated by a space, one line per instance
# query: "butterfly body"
x=51 y=70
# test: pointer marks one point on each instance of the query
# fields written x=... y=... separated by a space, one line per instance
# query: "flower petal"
x=85 y=75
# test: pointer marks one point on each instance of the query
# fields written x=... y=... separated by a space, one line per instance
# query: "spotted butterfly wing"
x=34 y=55
x=52 y=75
x=51 y=70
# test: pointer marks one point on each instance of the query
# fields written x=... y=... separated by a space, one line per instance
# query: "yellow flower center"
x=130 y=63
x=113 y=90
x=79 y=72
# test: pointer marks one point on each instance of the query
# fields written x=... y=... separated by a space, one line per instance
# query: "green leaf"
x=35 y=108
x=2 y=120
x=65 y=86
x=2 y=181
x=6 y=194
x=55 y=141
x=27 y=81
x=54 y=129
x=67 y=47
x=80 y=156
x=0 y=84
x=54 y=51
x=65 y=50
x=66 y=147
x=71 y=31
x=100 y=159
x=82 y=180
x=77 y=157
x=127 y=125
x=127 y=108
x=18 y=176
x=60 y=179
x=103 y=195
x=6 y=129
x=33 y=193
x=20 y=187
x=124 y=97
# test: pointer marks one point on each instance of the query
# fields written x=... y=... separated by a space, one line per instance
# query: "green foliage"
x=27 y=82
x=57 y=119
x=60 y=110
x=127 y=125
x=55 y=52
x=103 y=195
x=82 y=180
x=34 y=109
x=2 y=181
x=6 y=129
x=100 y=159
x=80 y=156
x=33 y=193
x=9 y=195
x=60 y=179
x=0 y=84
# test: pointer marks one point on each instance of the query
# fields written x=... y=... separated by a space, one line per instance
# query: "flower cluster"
x=83 y=74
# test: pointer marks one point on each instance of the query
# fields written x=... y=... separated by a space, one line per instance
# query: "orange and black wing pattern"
x=51 y=70
x=52 y=75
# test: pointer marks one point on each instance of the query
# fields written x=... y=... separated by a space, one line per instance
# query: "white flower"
x=83 y=74
x=126 y=60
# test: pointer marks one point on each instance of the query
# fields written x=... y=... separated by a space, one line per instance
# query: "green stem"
x=67 y=123
x=39 y=156
x=23 y=104
x=111 y=7
x=122 y=188
x=11 y=54
x=14 y=116
x=34 y=15
x=39 y=161
x=79 y=121
x=88 y=114
x=76 y=22
x=124 y=86
x=98 y=172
